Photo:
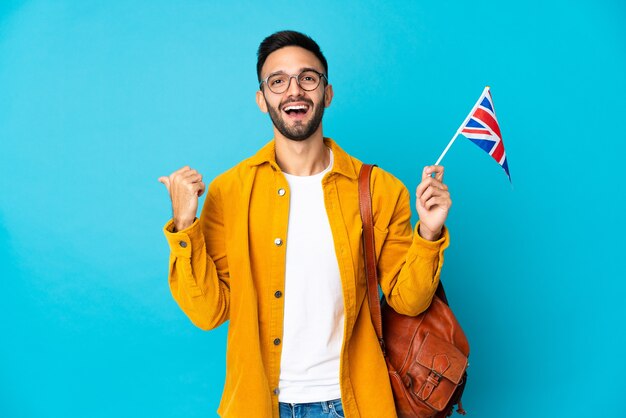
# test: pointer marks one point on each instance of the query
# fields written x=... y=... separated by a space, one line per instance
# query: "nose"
x=294 y=89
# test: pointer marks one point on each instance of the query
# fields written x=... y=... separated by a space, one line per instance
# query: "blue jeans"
x=325 y=409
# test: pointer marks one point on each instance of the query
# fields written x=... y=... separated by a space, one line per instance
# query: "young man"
x=277 y=251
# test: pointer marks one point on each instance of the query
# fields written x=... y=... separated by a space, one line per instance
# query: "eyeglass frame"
x=297 y=76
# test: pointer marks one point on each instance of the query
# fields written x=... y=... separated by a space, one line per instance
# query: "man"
x=277 y=251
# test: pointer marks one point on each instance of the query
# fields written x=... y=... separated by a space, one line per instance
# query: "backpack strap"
x=371 y=273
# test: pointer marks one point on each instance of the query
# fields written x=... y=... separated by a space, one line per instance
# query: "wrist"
x=181 y=224
x=428 y=234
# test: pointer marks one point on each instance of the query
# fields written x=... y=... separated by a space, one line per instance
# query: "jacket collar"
x=342 y=162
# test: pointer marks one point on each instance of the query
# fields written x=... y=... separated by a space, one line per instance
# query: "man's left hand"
x=432 y=202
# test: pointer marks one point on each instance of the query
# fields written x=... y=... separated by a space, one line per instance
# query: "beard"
x=300 y=130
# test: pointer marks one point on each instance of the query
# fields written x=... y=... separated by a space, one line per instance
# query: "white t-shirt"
x=313 y=317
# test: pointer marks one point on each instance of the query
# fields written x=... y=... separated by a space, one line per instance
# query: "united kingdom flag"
x=482 y=128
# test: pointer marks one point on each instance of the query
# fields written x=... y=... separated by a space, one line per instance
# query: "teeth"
x=300 y=107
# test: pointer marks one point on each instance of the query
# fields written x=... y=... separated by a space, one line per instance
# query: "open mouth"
x=296 y=111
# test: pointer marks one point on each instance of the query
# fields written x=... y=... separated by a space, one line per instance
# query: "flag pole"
x=447 y=148
x=458 y=131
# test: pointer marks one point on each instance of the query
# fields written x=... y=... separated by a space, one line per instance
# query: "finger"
x=201 y=189
x=196 y=178
x=434 y=169
x=180 y=172
x=166 y=181
x=195 y=188
x=429 y=170
x=428 y=193
x=433 y=191
x=425 y=172
x=192 y=178
x=438 y=201
x=189 y=173
x=427 y=182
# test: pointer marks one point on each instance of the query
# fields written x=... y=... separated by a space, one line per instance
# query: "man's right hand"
x=184 y=186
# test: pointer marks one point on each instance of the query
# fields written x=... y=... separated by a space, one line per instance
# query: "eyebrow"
x=299 y=71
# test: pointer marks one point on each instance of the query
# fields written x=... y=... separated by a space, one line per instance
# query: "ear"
x=328 y=95
x=260 y=101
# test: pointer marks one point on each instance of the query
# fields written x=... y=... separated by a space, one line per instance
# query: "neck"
x=302 y=158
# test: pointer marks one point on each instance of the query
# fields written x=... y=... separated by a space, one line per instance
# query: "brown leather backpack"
x=426 y=354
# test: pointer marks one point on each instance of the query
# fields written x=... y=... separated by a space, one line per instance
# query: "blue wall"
x=98 y=99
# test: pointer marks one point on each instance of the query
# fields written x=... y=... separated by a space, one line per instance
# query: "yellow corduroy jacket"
x=230 y=265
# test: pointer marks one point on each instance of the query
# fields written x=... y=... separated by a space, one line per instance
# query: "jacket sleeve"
x=409 y=266
x=198 y=269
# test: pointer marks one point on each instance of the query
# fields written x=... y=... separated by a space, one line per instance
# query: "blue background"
x=98 y=99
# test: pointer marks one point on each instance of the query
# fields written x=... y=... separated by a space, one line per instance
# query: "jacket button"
x=281 y=192
x=276 y=341
x=182 y=244
x=278 y=242
x=276 y=391
x=278 y=294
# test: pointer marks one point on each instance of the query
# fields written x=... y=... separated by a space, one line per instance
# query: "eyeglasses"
x=308 y=80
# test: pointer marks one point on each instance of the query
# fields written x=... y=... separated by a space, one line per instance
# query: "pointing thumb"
x=166 y=181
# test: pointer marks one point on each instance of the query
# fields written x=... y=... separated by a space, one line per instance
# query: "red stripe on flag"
x=476 y=131
x=489 y=120
x=497 y=153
